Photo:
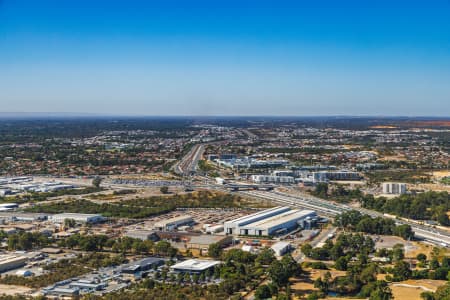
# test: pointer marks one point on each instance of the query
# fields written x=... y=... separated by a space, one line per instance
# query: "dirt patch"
x=11 y=290
x=304 y=285
x=411 y=289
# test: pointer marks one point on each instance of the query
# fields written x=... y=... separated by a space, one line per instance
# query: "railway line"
x=428 y=233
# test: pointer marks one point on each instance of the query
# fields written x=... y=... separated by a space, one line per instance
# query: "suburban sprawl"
x=225 y=208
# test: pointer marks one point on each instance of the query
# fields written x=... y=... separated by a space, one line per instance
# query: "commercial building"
x=233 y=226
x=273 y=179
x=173 y=223
x=251 y=163
x=11 y=262
x=195 y=266
x=88 y=286
x=81 y=218
x=283 y=173
x=278 y=224
x=395 y=188
x=142 y=265
x=325 y=176
x=281 y=248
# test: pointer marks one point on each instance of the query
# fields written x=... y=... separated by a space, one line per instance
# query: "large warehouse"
x=10 y=262
x=270 y=222
x=232 y=227
x=173 y=223
x=81 y=218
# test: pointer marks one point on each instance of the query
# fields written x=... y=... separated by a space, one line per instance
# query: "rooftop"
x=172 y=220
x=196 y=264
x=259 y=214
x=278 y=219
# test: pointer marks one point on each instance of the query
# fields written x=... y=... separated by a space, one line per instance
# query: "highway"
x=427 y=233
x=188 y=164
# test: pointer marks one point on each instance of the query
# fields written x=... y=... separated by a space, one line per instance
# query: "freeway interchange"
x=188 y=166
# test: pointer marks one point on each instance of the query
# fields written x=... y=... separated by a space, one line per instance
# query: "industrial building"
x=232 y=227
x=23 y=217
x=278 y=224
x=271 y=222
x=80 y=218
x=8 y=206
x=142 y=265
x=11 y=262
x=173 y=223
x=202 y=242
x=281 y=248
x=211 y=229
x=394 y=188
x=142 y=235
x=195 y=266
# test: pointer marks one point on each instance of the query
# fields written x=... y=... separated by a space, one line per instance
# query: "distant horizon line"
x=130 y=115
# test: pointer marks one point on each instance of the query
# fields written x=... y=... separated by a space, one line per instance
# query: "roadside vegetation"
x=144 y=207
x=40 y=197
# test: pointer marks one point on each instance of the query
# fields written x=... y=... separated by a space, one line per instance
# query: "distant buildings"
x=325 y=176
x=27 y=184
x=251 y=163
x=273 y=179
x=394 y=188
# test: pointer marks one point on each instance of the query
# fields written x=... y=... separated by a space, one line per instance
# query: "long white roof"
x=259 y=215
x=280 y=219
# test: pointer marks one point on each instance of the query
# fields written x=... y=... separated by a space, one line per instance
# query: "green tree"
x=341 y=263
x=215 y=250
x=263 y=292
x=69 y=223
x=265 y=257
x=401 y=271
x=421 y=257
x=97 y=181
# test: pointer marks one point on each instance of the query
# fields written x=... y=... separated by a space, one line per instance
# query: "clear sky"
x=227 y=57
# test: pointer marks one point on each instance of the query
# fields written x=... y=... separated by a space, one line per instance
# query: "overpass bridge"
x=247 y=187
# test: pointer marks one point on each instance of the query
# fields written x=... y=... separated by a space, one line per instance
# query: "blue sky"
x=226 y=57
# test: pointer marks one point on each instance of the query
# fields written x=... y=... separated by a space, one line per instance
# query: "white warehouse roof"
x=196 y=265
x=259 y=215
x=282 y=218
